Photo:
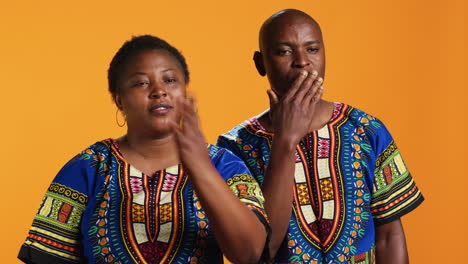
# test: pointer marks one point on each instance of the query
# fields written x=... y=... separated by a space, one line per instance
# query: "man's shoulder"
x=247 y=128
x=359 y=117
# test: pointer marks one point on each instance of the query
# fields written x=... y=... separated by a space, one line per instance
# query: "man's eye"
x=312 y=50
x=170 y=80
x=284 y=52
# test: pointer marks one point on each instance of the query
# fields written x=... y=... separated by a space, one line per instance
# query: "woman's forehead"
x=155 y=58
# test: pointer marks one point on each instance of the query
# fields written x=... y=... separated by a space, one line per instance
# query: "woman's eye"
x=141 y=83
x=170 y=80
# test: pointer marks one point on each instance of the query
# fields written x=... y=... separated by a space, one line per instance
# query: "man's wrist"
x=284 y=143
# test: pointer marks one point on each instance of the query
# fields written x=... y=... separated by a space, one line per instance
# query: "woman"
x=147 y=196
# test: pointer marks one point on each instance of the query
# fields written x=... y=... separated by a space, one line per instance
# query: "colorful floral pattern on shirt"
x=101 y=209
x=349 y=177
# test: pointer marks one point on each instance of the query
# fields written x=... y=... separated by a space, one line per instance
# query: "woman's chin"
x=158 y=128
x=161 y=129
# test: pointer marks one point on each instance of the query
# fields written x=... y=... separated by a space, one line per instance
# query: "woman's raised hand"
x=192 y=145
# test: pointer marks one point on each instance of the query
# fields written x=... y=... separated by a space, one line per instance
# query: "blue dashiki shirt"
x=100 y=209
x=349 y=178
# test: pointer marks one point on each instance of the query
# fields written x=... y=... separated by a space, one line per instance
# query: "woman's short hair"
x=134 y=46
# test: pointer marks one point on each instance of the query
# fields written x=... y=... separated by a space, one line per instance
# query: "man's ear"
x=258 y=59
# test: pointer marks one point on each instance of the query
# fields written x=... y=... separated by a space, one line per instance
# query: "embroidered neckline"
x=116 y=148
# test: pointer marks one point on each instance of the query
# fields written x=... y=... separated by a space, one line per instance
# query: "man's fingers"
x=296 y=85
x=313 y=90
x=273 y=98
x=306 y=86
x=317 y=95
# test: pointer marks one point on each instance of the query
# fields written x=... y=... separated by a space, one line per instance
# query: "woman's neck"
x=149 y=154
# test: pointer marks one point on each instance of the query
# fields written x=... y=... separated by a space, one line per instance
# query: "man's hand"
x=291 y=116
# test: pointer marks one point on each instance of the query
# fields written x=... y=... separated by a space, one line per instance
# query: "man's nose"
x=301 y=60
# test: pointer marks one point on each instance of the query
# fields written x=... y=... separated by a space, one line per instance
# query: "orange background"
x=403 y=61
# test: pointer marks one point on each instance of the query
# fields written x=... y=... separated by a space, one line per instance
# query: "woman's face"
x=149 y=85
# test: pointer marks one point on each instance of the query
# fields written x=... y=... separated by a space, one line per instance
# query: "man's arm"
x=390 y=244
x=291 y=117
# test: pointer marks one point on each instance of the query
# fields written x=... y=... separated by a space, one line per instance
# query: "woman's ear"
x=258 y=59
x=118 y=101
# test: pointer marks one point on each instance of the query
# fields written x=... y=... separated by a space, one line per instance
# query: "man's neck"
x=321 y=116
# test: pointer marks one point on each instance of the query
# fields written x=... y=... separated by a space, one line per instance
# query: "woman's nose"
x=158 y=92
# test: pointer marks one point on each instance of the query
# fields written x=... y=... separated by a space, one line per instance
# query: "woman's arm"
x=390 y=244
x=55 y=234
x=238 y=231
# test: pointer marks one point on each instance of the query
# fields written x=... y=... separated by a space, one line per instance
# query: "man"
x=337 y=166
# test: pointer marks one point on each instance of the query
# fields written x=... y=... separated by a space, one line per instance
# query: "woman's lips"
x=160 y=109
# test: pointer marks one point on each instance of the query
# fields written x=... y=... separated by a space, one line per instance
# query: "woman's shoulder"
x=82 y=171
x=96 y=153
x=99 y=150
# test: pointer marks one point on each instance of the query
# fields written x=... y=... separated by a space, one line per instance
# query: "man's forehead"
x=301 y=30
x=286 y=23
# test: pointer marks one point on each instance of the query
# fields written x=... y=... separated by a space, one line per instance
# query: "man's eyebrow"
x=285 y=43
x=313 y=42
x=307 y=43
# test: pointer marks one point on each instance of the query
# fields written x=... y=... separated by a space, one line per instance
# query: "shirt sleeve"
x=394 y=191
x=54 y=236
x=245 y=187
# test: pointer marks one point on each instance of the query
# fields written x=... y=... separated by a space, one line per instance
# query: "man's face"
x=290 y=46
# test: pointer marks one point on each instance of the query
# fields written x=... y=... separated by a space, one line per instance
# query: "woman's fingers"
x=186 y=109
x=176 y=128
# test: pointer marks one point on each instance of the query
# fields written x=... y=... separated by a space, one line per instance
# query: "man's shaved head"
x=284 y=16
x=290 y=43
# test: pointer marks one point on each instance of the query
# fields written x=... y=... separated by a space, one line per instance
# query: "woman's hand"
x=239 y=233
x=192 y=145
x=291 y=116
